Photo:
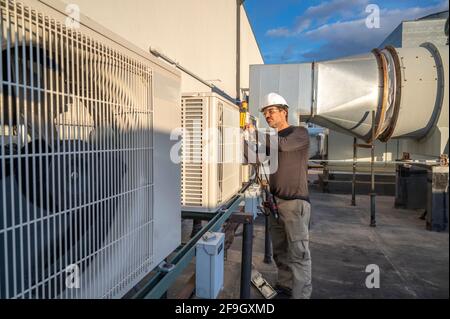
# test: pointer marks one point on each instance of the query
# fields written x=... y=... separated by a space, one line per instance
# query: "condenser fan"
x=54 y=150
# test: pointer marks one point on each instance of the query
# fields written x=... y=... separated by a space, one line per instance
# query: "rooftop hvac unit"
x=211 y=152
x=84 y=139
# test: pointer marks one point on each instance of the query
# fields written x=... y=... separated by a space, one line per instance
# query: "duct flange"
x=392 y=73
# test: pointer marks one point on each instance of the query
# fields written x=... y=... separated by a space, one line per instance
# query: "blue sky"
x=290 y=31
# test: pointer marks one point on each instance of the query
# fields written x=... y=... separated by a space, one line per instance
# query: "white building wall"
x=417 y=32
x=198 y=34
x=250 y=52
x=413 y=33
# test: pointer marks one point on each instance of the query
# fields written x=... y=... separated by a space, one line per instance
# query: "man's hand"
x=249 y=127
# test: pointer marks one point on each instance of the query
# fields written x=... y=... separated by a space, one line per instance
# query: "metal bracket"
x=208 y=236
x=165 y=267
x=242 y=218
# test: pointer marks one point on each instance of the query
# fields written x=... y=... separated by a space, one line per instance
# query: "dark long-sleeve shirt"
x=290 y=180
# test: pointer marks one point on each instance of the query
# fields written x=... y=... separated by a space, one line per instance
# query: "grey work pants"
x=290 y=243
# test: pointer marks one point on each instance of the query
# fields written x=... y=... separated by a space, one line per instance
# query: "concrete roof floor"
x=413 y=262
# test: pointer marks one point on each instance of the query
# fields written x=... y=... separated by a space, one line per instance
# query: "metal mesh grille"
x=192 y=152
x=76 y=179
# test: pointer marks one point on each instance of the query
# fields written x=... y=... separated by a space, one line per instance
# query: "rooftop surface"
x=413 y=262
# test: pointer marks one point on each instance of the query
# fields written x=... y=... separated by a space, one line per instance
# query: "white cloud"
x=320 y=14
x=353 y=37
x=303 y=25
x=278 y=32
x=342 y=8
x=348 y=36
x=345 y=9
x=289 y=54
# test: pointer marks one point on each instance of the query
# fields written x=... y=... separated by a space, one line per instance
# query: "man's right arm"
x=253 y=153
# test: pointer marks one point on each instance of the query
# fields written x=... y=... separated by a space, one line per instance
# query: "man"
x=289 y=185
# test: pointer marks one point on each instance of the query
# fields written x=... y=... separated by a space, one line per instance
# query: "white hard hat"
x=273 y=99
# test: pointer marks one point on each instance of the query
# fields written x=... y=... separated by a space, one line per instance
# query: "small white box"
x=209 y=266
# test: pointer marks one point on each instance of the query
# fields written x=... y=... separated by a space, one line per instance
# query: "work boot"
x=283 y=292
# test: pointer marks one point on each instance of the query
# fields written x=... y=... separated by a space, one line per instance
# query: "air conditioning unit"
x=85 y=122
x=211 y=152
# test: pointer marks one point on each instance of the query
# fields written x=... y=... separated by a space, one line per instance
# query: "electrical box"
x=209 y=265
x=411 y=187
x=437 y=199
x=253 y=200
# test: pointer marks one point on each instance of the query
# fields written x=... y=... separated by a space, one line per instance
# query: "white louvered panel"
x=192 y=152
x=76 y=173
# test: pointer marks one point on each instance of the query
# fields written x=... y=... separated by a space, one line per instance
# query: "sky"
x=290 y=31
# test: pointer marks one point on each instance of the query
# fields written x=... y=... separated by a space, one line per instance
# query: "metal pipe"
x=267 y=243
x=196 y=227
x=373 y=222
x=426 y=162
x=214 y=88
x=372 y=173
x=354 y=172
x=246 y=265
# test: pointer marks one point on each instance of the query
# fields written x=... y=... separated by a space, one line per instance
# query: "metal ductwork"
x=404 y=89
